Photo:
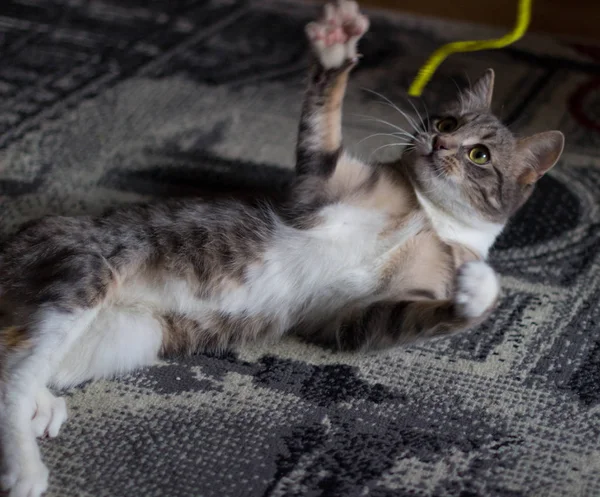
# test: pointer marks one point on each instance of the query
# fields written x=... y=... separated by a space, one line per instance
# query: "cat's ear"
x=479 y=95
x=540 y=152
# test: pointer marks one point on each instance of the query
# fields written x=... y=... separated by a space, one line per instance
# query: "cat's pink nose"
x=439 y=143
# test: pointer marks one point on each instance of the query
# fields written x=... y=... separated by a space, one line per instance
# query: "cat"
x=358 y=255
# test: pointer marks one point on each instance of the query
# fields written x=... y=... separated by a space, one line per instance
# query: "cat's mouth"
x=441 y=166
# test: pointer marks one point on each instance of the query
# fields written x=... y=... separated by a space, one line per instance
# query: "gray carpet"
x=105 y=102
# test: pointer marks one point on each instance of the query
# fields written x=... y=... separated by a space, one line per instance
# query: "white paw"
x=50 y=414
x=334 y=37
x=28 y=479
x=477 y=289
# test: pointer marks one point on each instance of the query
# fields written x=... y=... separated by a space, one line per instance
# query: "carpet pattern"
x=111 y=101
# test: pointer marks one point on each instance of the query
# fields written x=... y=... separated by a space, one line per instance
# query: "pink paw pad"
x=340 y=23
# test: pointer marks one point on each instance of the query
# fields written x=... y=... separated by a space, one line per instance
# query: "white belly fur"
x=313 y=271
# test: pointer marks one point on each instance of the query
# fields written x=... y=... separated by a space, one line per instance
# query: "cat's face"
x=468 y=163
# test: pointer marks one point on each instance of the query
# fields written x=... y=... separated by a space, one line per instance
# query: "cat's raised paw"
x=477 y=289
x=50 y=414
x=29 y=479
x=335 y=36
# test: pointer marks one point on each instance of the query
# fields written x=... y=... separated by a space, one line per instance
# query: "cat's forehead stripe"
x=480 y=119
x=486 y=127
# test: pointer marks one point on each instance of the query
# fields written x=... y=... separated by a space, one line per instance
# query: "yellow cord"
x=426 y=72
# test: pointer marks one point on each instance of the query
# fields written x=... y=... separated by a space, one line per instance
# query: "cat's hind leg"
x=333 y=40
x=119 y=341
x=50 y=414
x=28 y=360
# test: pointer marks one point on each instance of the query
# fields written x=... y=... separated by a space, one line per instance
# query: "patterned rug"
x=111 y=101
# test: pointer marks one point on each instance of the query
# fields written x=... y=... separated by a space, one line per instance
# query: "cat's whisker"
x=391 y=135
x=382 y=121
x=394 y=106
x=386 y=146
x=418 y=114
x=408 y=118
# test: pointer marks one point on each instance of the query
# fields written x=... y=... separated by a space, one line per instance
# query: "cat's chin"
x=426 y=169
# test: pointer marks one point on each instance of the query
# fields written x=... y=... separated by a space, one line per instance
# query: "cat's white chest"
x=338 y=254
x=315 y=271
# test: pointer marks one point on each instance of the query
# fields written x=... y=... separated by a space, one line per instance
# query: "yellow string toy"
x=426 y=72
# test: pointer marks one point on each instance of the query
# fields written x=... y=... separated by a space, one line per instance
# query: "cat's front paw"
x=24 y=478
x=334 y=37
x=477 y=290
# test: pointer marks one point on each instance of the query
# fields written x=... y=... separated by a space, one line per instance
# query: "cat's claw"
x=50 y=414
x=335 y=36
x=477 y=289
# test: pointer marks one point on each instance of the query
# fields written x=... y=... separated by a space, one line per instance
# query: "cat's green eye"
x=479 y=155
x=446 y=125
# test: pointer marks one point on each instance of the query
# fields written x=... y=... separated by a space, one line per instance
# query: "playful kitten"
x=359 y=255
